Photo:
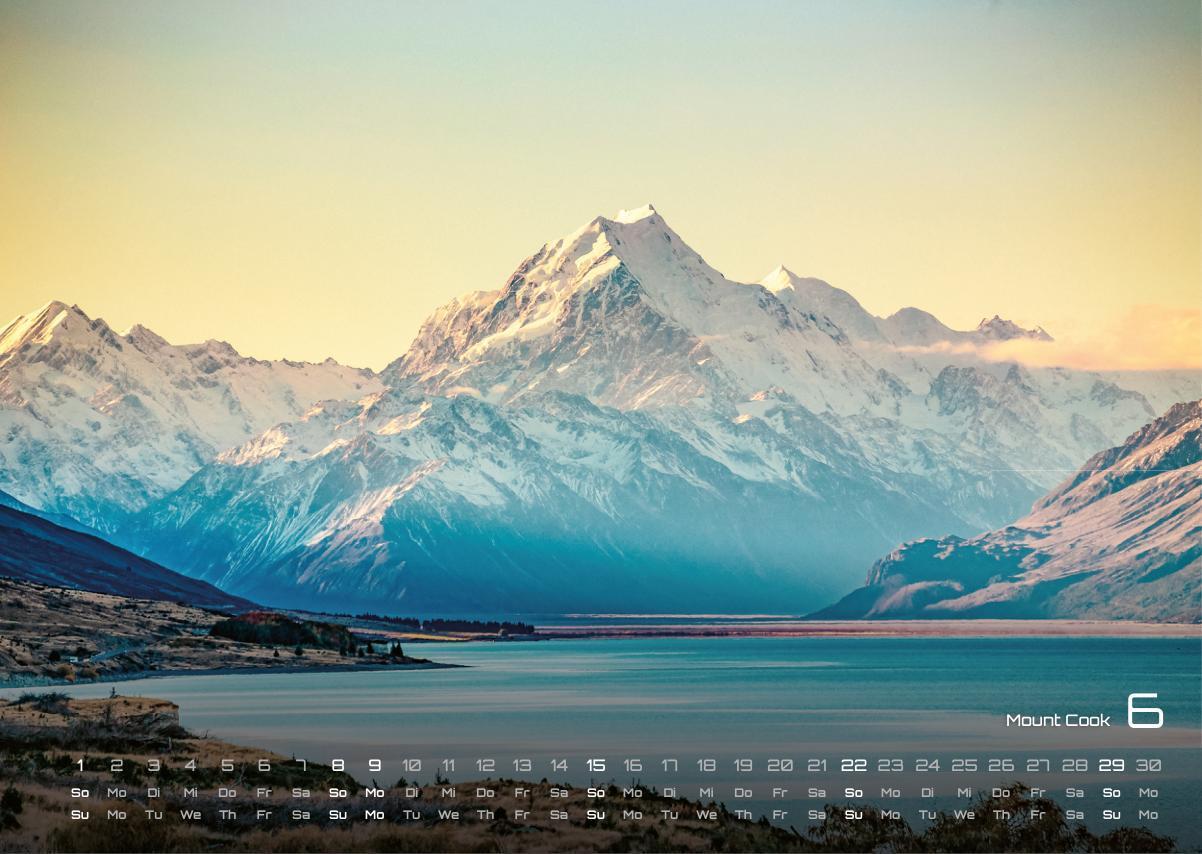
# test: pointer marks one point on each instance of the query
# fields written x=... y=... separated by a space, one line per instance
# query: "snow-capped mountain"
x=625 y=312
x=95 y=424
x=620 y=426
x=1120 y=539
x=907 y=327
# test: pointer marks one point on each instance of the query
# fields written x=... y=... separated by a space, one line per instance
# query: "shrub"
x=65 y=671
x=54 y=702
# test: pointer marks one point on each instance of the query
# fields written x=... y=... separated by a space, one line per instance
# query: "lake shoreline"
x=790 y=628
x=168 y=673
x=760 y=628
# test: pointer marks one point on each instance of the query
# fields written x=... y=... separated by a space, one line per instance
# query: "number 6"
x=1133 y=710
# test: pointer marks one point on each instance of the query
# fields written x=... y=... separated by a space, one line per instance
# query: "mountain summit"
x=625 y=312
x=618 y=426
x=635 y=214
x=997 y=329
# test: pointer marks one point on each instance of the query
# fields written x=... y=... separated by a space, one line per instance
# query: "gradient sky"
x=310 y=180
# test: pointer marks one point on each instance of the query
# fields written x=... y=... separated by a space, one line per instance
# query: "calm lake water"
x=728 y=698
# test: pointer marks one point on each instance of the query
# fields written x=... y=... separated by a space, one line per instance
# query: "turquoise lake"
x=730 y=698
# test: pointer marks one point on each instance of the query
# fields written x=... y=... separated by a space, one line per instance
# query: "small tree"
x=299 y=651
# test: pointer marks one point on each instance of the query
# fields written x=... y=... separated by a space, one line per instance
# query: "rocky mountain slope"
x=622 y=427
x=95 y=424
x=34 y=549
x=456 y=503
x=1120 y=539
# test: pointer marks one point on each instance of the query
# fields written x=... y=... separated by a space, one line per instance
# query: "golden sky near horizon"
x=312 y=179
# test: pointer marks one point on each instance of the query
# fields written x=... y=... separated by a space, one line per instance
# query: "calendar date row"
x=669 y=765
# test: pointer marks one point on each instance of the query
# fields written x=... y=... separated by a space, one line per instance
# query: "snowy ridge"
x=1121 y=539
x=95 y=424
x=619 y=426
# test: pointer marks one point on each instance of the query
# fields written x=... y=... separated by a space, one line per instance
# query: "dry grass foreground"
x=62 y=634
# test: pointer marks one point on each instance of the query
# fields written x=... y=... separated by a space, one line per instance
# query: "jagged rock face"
x=618 y=427
x=1120 y=539
x=95 y=425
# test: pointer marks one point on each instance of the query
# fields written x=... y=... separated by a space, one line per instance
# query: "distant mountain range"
x=1121 y=539
x=98 y=424
x=35 y=549
x=618 y=427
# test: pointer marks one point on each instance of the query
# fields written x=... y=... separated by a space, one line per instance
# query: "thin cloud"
x=1147 y=337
